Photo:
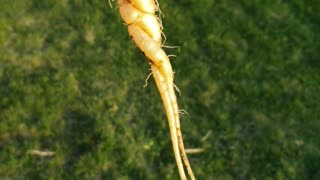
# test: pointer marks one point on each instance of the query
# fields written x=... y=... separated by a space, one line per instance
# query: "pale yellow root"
x=166 y=90
x=145 y=29
x=178 y=47
x=146 y=81
x=41 y=153
x=182 y=111
x=170 y=110
x=194 y=151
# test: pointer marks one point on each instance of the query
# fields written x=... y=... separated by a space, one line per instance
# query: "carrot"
x=145 y=29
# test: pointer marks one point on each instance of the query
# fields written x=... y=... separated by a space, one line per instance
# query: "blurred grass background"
x=71 y=82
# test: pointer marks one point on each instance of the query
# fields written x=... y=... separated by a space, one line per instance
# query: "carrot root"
x=145 y=29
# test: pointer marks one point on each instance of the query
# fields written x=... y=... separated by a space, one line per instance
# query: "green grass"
x=71 y=82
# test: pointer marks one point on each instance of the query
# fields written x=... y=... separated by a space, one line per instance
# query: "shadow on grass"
x=80 y=136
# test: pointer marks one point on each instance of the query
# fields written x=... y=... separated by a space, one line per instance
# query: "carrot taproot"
x=145 y=29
